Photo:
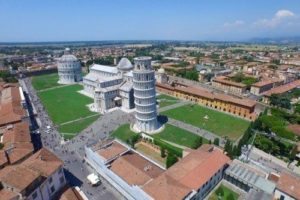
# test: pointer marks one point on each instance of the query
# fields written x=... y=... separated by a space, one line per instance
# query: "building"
x=280 y=90
x=248 y=178
x=12 y=104
x=241 y=107
x=40 y=177
x=110 y=86
x=263 y=86
x=137 y=177
x=144 y=95
x=69 y=69
x=222 y=83
x=287 y=187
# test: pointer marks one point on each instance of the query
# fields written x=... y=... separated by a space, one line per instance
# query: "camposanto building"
x=69 y=69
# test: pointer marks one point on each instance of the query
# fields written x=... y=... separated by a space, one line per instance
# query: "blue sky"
x=70 y=20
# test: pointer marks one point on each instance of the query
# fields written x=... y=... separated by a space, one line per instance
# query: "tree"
x=280 y=100
x=216 y=141
x=197 y=143
x=162 y=152
x=171 y=160
x=228 y=148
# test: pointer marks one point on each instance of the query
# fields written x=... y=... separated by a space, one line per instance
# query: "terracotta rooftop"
x=111 y=150
x=190 y=173
x=283 y=88
x=6 y=194
x=44 y=162
x=165 y=187
x=289 y=184
x=18 y=177
x=11 y=110
x=204 y=93
x=17 y=142
x=266 y=82
x=134 y=169
x=70 y=194
x=224 y=80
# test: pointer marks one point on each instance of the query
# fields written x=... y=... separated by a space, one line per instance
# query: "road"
x=71 y=152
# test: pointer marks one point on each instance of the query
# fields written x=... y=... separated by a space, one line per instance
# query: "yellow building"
x=243 y=108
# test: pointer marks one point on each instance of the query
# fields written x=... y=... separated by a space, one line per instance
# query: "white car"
x=93 y=179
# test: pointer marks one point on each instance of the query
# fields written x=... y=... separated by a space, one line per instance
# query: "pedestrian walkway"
x=79 y=119
x=176 y=105
x=52 y=88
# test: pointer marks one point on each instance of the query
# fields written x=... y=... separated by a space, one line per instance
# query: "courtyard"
x=219 y=123
x=223 y=193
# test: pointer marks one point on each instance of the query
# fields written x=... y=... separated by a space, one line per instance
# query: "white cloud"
x=234 y=24
x=284 y=13
x=281 y=16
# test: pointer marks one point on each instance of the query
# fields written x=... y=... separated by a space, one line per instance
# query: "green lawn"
x=65 y=104
x=42 y=82
x=224 y=193
x=219 y=123
x=123 y=133
x=165 y=100
x=78 y=126
x=179 y=136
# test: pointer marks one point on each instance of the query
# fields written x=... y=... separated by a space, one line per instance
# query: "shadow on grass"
x=162 y=119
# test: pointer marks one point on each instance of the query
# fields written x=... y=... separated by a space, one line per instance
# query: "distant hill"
x=277 y=40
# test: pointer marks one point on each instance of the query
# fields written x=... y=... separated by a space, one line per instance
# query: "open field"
x=165 y=100
x=217 y=122
x=46 y=81
x=77 y=126
x=223 y=193
x=123 y=133
x=179 y=136
x=65 y=104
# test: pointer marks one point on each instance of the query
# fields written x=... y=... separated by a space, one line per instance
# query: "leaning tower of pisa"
x=144 y=95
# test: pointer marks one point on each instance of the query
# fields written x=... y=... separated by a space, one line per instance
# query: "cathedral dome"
x=68 y=58
x=124 y=65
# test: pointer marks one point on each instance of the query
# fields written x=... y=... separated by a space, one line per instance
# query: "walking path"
x=79 y=119
x=198 y=131
x=176 y=105
x=52 y=88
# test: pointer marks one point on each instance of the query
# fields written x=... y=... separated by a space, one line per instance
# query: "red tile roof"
x=283 y=88
x=190 y=173
x=289 y=184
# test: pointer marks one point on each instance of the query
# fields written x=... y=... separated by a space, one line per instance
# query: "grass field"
x=65 y=104
x=123 y=133
x=165 y=100
x=179 y=136
x=77 y=126
x=42 y=82
x=219 y=123
x=223 y=193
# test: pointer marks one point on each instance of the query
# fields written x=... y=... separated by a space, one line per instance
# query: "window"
x=52 y=189
x=50 y=180
x=34 y=195
x=61 y=180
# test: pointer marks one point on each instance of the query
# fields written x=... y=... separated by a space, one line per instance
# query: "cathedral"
x=110 y=86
